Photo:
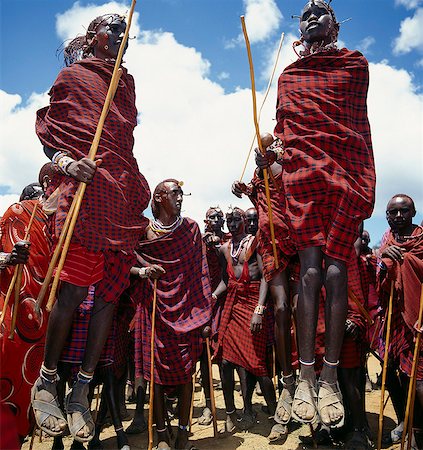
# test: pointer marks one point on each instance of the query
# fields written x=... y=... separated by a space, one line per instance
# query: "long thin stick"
x=191 y=410
x=385 y=366
x=212 y=399
x=117 y=72
x=151 y=400
x=362 y=309
x=55 y=257
x=275 y=378
x=16 y=304
x=413 y=377
x=18 y=269
x=265 y=174
x=263 y=102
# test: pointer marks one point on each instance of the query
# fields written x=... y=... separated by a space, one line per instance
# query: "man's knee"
x=312 y=278
x=336 y=275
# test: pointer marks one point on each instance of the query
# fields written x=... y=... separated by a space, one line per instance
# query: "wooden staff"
x=151 y=400
x=265 y=172
x=275 y=378
x=409 y=409
x=79 y=195
x=362 y=309
x=212 y=399
x=191 y=409
x=16 y=280
x=263 y=102
x=385 y=366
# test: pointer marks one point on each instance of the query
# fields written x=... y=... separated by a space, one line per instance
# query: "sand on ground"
x=254 y=439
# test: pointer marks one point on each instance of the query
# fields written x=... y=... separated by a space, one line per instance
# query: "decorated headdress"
x=82 y=46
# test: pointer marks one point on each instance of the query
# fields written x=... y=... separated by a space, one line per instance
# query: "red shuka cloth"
x=111 y=214
x=21 y=357
x=408 y=279
x=236 y=343
x=183 y=305
x=284 y=245
x=328 y=166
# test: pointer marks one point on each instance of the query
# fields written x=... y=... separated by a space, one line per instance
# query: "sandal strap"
x=47 y=409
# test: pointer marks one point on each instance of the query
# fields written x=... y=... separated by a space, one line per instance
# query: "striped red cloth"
x=408 y=278
x=328 y=167
x=21 y=358
x=236 y=343
x=111 y=214
x=183 y=305
x=284 y=244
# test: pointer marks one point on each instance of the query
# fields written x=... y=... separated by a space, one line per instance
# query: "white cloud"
x=409 y=4
x=262 y=19
x=223 y=76
x=192 y=130
x=411 y=34
x=365 y=44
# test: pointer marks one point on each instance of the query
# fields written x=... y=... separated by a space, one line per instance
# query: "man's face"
x=109 y=34
x=171 y=199
x=251 y=219
x=400 y=213
x=215 y=221
x=365 y=239
x=316 y=22
x=235 y=223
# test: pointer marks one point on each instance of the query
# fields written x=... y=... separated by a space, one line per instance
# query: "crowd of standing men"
x=294 y=273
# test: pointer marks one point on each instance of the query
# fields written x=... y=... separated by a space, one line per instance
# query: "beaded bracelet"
x=260 y=310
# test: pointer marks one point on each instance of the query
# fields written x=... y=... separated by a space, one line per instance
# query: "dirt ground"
x=255 y=439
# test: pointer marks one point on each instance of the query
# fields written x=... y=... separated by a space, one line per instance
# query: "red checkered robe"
x=212 y=254
x=183 y=305
x=236 y=343
x=328 y=166
x=352 y=351
x=21 y=357
x=284 y=245
x=408 y=278
x=110 y=220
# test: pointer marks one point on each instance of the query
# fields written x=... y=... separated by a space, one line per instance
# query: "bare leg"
x=228 y=386
x=308 y=304
x=60 y=322
x=98 y=332
x=206 y=416
x=248 y=383
x=139 y=424
x=160 y=417
x=184 y=402
x=336 y=308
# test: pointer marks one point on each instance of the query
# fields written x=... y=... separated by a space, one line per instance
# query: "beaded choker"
x=158 y=227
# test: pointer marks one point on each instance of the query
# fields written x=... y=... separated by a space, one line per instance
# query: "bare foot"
x=284 y=407
x=304 y=403
x=81 y=424
x=278 y=433
x=331 y=409
x=52 y=420
x=206 y=417
x=231 y=421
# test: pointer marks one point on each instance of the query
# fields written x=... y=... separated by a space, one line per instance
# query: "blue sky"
x=194 y=87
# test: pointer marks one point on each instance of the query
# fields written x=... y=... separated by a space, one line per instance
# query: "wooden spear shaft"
x=262 y=150
x=412 y=384
x=385 y=366
x=212 y=399
x=362 y=309
x=151 y=400
x=117 y=72
x=16 y=274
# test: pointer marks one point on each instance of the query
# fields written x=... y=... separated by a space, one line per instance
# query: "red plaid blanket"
x=408 y=278
x=284 y=245
x=111 y=213
x=329 y=175
x=183 y=305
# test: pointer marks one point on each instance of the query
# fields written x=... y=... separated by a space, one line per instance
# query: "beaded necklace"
x=240 y=247
x=158 y=227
